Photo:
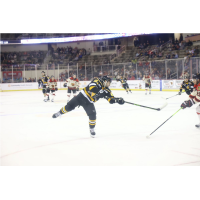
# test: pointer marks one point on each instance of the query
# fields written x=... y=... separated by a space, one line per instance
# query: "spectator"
x=137 y=54
x=181 y=37
x=196 y=51
x=168 y=56
x=89 y=52
x=176 y=55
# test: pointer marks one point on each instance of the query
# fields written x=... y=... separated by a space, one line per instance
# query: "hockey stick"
x=173 y=96
x=163 y=123
x=158 y=109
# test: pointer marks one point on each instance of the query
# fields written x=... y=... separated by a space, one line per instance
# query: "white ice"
x=31 y=137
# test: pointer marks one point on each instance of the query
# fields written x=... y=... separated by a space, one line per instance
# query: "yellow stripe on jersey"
x=88 y=94
x=91 y=87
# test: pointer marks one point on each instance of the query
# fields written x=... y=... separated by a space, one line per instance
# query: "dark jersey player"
x=124 y=83
x=187 y=85
x=45 y=80
x=98 y=88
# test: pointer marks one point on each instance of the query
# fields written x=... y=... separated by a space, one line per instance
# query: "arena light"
x=3 y=42
x=80 y=38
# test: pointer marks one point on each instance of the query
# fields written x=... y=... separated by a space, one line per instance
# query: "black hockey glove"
x=56 y=89
x=188 y=103
x=96 y=97
x=65 y=84
x=120 y=101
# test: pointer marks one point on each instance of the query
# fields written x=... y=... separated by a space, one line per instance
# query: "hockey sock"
x=63 y=110
x=47 y=96
x=53 y=95
x=92 y=123
x=68 y=97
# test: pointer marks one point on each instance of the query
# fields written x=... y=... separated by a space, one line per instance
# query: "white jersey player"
x=72 y=84
x=147 y=79
x=52 y=86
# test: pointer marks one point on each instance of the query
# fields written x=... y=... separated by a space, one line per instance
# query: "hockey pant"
x=125 y=86
x=147 y=86
x=69 y=93
x=89 y=108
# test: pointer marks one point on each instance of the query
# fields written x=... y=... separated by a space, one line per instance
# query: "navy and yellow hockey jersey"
x=122 y=80
x=187 y=86
x=97 y=89
x=45 y=79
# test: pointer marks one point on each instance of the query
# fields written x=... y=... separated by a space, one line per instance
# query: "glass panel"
x=81 y=72
x=194 y=66
x=97 y=71
x=30 y=73
x=171 y=69
x=6 y=70
x=179 y=68
x=129 y=71
x=118 y=70
x=72 y=70
x=143 y=67
x=158 y=70
x=107 y=70
x=89 y=73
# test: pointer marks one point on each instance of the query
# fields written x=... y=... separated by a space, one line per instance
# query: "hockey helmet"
x=106 y=78
x=43 y=72
x=186 y=77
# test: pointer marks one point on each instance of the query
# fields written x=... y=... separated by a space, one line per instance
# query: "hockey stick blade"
x=165 y=104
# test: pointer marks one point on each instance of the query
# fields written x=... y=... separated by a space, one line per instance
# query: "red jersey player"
x=73 y=84
x=52 y=87
x=194 y=98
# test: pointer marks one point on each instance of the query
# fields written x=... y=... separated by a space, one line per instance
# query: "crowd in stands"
x=72 y=54
x=30 y=57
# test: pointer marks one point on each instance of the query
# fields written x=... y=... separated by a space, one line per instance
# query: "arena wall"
x=138 y=85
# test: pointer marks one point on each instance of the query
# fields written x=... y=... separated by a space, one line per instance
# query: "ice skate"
x=55 y=115
x=197 y=125
x=52 y=100
x=46 y=100
x=149 y=92
x=92 y=132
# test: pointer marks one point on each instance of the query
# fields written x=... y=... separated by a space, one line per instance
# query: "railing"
x=158 y=69
x=105 y=48
x=122 y=49
x=173 y=76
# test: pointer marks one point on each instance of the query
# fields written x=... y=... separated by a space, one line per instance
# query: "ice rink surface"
x=31 y=137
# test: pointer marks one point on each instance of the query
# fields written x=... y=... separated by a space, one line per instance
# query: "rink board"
x=137 y=85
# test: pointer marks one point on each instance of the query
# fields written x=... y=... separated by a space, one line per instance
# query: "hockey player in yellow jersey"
x=98 y=88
